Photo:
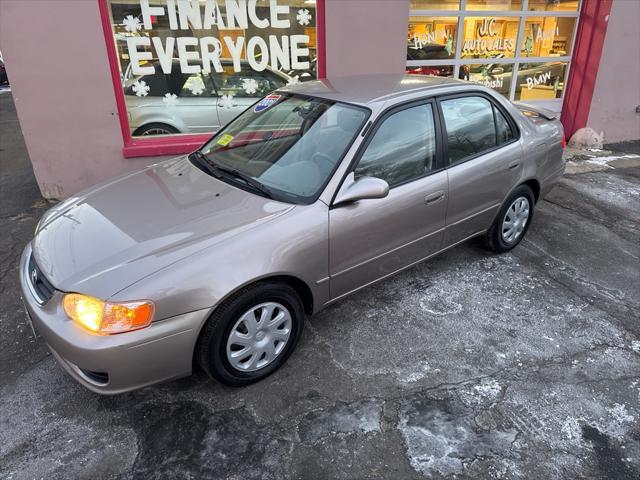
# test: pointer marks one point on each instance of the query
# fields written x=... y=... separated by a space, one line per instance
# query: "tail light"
x=564 y=142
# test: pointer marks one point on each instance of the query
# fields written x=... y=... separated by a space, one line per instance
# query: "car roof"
x=368 y=89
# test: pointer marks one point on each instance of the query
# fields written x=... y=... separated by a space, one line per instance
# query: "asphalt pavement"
x=471 y=365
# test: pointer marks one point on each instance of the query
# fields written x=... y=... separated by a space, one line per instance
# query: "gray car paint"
x=179 y=237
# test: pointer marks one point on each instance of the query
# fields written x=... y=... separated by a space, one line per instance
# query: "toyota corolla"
x=309 y=195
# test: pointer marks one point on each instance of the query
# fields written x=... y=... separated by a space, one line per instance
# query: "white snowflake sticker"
x=294 y=80
x=303 y=16
x=227 y=102
x=132 y=24
x=170 y=99
x=250 y=85
x=197 y=87
x=141 y=88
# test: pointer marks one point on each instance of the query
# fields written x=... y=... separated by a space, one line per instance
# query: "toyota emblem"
x=34 y=276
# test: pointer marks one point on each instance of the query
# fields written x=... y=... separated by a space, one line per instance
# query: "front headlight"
x=105 y=318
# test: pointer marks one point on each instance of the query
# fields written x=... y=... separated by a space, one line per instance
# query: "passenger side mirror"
x=364 y=188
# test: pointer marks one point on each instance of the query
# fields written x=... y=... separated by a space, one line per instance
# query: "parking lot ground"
x=471 y=365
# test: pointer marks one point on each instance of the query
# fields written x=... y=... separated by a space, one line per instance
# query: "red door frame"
x=176 y=144
x=587 y=50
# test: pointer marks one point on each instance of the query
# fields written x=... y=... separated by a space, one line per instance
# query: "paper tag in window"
x=225 y=139
x=266 y=102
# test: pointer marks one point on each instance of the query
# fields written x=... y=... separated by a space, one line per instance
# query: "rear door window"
x=470 y=124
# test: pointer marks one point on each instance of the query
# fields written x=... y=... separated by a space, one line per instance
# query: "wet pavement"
x=471 y=365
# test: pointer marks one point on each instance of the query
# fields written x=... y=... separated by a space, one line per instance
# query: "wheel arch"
x=299 y=285
x=534 y=185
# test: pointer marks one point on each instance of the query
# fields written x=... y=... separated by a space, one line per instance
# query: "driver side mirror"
x=353 y=190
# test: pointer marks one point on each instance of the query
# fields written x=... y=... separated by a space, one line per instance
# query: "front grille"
x=41 y=287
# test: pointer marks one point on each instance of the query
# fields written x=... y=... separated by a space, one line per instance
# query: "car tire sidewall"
x=496 y=232
x=217 y=364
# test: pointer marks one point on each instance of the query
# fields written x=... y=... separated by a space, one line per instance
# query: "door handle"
x=434 y=197
x=513 y=165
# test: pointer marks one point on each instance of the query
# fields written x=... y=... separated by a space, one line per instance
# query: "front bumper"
x=113 y=364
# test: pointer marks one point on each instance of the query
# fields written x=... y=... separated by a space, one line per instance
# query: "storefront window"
x=554 y=5
x=432 y=38
x=547 y=36
x=435 y=4
x=493 y=75
x=494 y=4
x=540 y=81
x=190 y=66
x=480 y=43
x=490 y=37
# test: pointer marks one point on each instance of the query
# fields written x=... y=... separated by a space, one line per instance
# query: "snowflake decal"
x=170 y=99
x=250 y=85
x=132 y=24
x=141 y=88
x=197 y=87
x=227 y=102
x=294 y=80
x=303 y=16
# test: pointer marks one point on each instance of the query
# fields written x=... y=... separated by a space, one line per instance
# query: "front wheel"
x=512 y=222
x=251 y=334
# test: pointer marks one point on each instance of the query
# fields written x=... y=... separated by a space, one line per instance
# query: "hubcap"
x=156 y=131
x=259 y=336
x=515 y=220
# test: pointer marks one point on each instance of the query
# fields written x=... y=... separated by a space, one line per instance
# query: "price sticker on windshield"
x=266 y=103
x=225 y=139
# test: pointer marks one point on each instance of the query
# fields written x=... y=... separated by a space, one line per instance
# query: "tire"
x=234 y=316
x=499 y=238
x=155 y=129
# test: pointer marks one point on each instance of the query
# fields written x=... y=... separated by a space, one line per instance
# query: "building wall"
x=366 y=36
x=56 y=59
x=617 y=91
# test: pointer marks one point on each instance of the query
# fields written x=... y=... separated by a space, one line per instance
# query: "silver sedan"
x=310 y=195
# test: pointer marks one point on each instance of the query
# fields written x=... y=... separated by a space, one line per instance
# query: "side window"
x=403 y=148
x=503 y=128
x=198 y=85
x=470 y=126
x=246 y=83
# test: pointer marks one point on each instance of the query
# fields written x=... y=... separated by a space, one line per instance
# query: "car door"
x=196 y=104
x=484 y=162
x=370 y=239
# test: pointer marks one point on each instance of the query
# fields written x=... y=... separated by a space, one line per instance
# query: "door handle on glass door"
x=434 y=197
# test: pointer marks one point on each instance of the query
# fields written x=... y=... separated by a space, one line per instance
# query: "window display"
x=190 y=66
x=540 y=81
x=491 y=42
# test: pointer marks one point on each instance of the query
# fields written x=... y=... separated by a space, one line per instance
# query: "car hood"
x=112 y=235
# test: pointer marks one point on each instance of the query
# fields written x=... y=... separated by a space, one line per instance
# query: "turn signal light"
x=105 y=318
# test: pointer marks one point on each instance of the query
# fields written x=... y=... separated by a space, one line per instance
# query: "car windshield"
x=289 y=144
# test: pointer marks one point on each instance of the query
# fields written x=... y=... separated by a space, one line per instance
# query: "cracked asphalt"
x=471 y=365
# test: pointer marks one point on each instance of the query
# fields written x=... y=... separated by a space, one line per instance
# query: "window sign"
x=520 y=48
x=190 y=66
x=540 y=81
x=490 y=37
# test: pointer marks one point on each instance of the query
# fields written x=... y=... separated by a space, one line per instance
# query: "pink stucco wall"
x=366 y=36
x=617 y=91
x=57 y=64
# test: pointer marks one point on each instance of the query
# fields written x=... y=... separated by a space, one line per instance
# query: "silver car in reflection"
x=164 y=104
x=315 y=192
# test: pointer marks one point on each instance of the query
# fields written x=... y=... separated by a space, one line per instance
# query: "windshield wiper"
x=218 y=171
x=252 y=182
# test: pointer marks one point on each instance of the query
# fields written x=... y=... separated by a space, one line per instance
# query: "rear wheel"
x=155 y=129
x=512 y=223
x=251 y=334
